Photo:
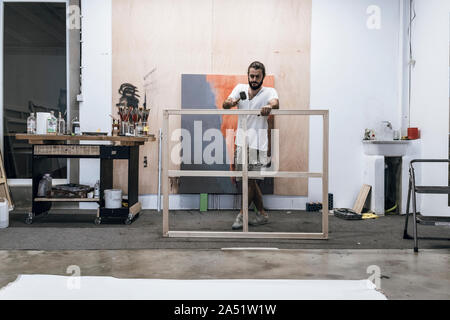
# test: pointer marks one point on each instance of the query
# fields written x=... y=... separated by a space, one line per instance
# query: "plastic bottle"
x=61 y=125
x=97 y=189
x=31 y=124
x=52 y=124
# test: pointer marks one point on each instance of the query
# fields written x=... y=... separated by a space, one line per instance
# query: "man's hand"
x=266 y=110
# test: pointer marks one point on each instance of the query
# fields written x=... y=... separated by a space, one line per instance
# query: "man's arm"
x=229 y=103
x=273 y=104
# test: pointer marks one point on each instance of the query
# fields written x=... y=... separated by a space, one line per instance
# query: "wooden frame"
x=245 y=174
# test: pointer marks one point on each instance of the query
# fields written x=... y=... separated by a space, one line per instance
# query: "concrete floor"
x=74 y=230
x=404 y=275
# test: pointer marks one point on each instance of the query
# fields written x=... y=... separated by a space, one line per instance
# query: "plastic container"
x=41 y=122
x=52 y=124
x=4 y=213
x=113 y=199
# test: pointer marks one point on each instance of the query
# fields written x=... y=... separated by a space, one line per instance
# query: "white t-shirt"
x=256 y=125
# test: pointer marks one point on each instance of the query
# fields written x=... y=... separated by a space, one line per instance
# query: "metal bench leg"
x=405 y=232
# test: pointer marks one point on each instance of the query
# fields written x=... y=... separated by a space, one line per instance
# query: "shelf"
x=66 y=199
x=39 y=139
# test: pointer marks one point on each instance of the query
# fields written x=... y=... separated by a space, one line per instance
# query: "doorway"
x=34 y=77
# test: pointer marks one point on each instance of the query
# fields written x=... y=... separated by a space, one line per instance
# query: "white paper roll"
x=41 y=122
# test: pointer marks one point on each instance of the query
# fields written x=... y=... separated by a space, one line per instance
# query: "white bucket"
x=4 y=213
x=113 y=199
x=41 y=122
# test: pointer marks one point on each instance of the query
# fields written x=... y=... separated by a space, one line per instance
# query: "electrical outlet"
x=145 y=162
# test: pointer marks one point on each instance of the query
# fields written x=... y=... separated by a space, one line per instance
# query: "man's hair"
x=257 y=66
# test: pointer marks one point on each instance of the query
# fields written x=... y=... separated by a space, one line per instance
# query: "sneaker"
x=238 y=223
x=259 y=220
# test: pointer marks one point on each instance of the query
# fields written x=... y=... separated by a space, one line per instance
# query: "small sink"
x=391 y=148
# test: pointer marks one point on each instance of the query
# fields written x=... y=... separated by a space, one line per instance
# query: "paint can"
x=413 y=133
x=113 y=199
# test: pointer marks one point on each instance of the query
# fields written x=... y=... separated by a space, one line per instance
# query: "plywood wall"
x=162 y=39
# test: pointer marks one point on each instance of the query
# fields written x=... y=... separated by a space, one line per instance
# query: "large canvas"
x=162 y=41
x=209 y=92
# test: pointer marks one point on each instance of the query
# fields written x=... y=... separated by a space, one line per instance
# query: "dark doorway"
x=34 y=77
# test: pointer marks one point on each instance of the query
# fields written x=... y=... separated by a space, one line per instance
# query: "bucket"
x=41 y=122
x=113 y=199
x=4 y=213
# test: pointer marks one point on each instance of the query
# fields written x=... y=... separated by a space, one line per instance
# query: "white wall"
x=354 y=74
x=96 y=78
x=430 y=94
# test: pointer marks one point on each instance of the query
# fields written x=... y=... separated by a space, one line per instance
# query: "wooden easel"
x=4 y=189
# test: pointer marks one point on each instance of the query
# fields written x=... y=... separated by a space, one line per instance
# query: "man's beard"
x=255 y=85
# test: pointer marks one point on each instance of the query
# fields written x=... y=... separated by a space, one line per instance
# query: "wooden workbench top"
x=48 y=139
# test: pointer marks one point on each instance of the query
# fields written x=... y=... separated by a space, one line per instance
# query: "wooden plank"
x=163 y=41
x=66 y=199
x=361 y=199
x=40 y=138
x=325 y=168
x=289 y=112
x=282 y=174
x=245 y=201
x=251 y=174
x=165 y=174
x=135 y=209
x=200 y=173
x=4 y=188
x=246 y=235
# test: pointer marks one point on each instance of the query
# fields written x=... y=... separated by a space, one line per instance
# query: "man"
x=257 y=98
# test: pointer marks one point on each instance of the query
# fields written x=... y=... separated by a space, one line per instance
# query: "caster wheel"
x=128 y=222
x=98 y=221
x=29 y=221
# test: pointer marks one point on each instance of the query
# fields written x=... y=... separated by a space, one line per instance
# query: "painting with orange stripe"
x=209 y=92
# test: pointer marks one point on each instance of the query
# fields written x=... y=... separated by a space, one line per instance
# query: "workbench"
x=65 y=146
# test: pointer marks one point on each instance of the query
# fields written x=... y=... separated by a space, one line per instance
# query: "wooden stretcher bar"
x=245 y=174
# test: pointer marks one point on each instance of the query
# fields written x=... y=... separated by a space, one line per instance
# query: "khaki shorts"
x=256 y=160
